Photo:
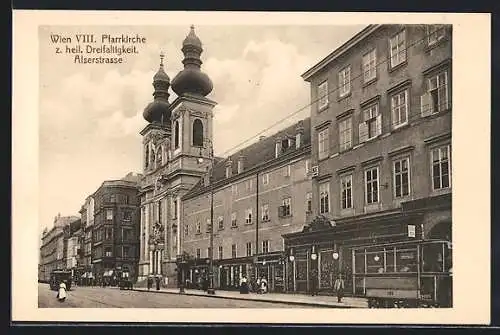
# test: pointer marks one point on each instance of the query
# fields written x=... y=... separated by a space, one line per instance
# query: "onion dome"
x=159 y=109
x=192 y=79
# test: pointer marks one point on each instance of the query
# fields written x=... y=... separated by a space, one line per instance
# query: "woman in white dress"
x=61 y=295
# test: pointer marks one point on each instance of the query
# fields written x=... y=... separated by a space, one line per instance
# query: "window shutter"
x=363 y=132
x=379 y=124
x=426 y=104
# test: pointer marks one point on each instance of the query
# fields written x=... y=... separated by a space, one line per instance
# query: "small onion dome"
x=192 y=81
x=157 y=111
x=161 y=75
x=191 y=39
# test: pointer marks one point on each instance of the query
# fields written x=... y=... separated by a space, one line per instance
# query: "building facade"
x=259 y=193
x=176 y=136
x=72 y=245
x=381 y=148
x=87 y=219
x=115 y=228
x=52 y=250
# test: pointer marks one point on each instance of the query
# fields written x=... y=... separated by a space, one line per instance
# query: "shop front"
x=322 y=250
x=271 y=266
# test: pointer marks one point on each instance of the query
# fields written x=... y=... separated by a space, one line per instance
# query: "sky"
x=90 y=115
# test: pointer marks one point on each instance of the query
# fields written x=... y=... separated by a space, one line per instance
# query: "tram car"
x=409 y=274
x=124 y=282
x=57 y=276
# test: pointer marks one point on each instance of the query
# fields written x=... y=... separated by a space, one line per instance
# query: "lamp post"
x=211 y=289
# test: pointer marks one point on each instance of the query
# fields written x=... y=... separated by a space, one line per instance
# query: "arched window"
x=176 y=134
x=197 y=133
x=146 y=158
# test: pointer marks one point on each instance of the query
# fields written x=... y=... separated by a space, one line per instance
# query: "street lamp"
x=211 y=289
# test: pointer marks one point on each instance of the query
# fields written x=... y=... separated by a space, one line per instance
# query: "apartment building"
x=381 y=148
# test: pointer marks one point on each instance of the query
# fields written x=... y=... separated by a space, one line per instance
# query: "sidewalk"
x=296 y=299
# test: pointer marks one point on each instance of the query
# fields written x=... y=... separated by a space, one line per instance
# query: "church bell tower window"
x=176 y=134
x=197 y=133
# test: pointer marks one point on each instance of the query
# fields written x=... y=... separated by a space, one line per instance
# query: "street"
x=98 y=297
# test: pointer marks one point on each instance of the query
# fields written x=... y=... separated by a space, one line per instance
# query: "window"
x=370 y=65
x=197 y=133
x=308 y=166
x=286 y=171
x=198 y=227
x=440 y=158
x=398 y=49
x=371 y=126
x=324 y=198
x=233 y=251
x=298 y=140
x=308 y=202
x=371 y=185
x=234 y=223
x=108 y=252
x=345 y=81
x=125 y=252
x=240 y=166
x=286 y=207
x=249 y=248
x=265 y=246
x=399 y=108
x=176 y=134
x=323 y=95
x=198 y=253
x=438 y=91
x=174 y=209
x=346 y=191
x=209 y=226
x=435 y=33
x=186 y=230
x=228 y=171
x=265 y=178
x=323 y=149
x=265 y=212
x=160 y=211
x=345 y=134
x=209 y=252
x=109 y=214
x=126 y=234
x=127 y=215
x=112 y=198
x=249 y=184
x=221 y=222
x=234 y=189
x=401 y=177
x=221 y=252
x=108 y=233
x=248 y=216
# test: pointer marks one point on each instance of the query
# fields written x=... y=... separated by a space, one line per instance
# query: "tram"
x=416 y=273
x=58 y=276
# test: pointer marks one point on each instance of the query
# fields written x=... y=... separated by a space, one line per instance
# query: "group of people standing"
x=154 y=280
x=338 y=285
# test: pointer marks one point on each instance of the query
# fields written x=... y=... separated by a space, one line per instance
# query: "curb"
x=310 y=304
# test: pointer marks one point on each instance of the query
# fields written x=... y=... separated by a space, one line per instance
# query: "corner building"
x=381 y=149
x=259 y=193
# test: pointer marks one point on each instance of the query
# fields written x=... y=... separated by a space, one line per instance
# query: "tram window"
x=389 y=261
x=360 y=262
x=375 y=262
x=432 y=258
x=406 y=260
x=448 y=258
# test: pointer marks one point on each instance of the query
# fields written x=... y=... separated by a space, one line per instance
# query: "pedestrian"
x=338 y=286
x=157 y=283
x=61 y=294
x=263 y=285
x=314 y=282
x=244 y=285
x=150 y=282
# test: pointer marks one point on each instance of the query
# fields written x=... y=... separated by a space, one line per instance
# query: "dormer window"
x=298 y=140
x=285 y=144
x=229 y=170
x=277 y=149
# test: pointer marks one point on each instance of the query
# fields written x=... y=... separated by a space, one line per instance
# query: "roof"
x=340 y=50
x=257 y=154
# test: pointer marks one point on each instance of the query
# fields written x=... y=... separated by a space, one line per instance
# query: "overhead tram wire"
x=327 y=94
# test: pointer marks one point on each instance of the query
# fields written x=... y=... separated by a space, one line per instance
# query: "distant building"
x=381 y=150
x=52 y=250
x=72 y=245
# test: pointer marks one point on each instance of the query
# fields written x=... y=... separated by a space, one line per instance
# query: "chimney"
x=299 y=134
x=241 y=163
x=278 y=147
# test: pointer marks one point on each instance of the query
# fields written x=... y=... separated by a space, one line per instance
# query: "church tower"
x=182 y=132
